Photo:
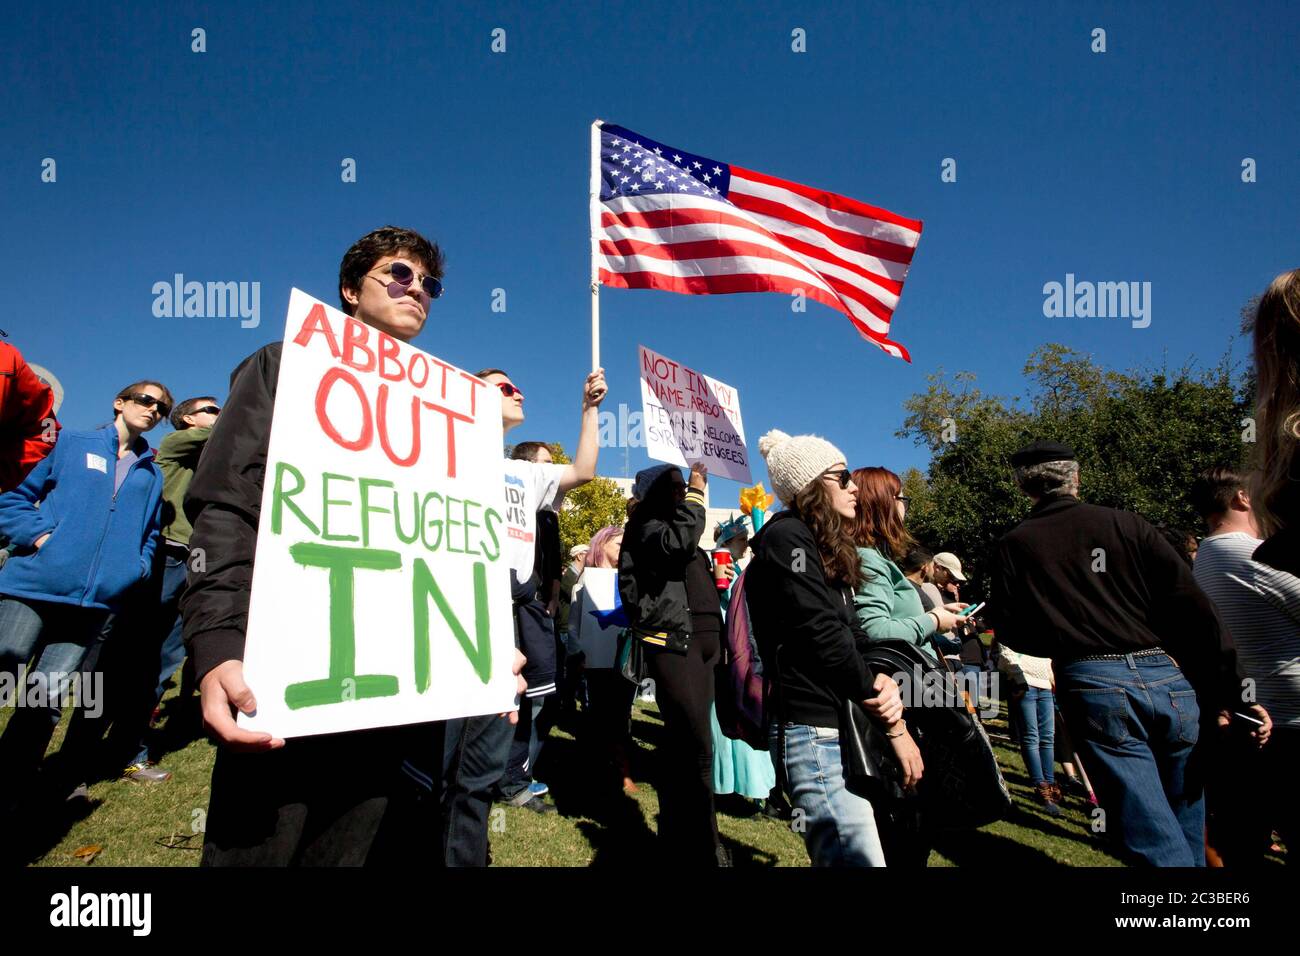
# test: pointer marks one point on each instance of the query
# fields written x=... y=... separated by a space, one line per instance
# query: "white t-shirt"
x=530 y=487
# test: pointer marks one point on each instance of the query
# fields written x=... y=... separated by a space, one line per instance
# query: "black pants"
x=327 y=800
x=688 y=828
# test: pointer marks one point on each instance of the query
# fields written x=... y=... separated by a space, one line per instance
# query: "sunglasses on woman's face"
x=510 y=391
x=149 y=401
x=843 y=476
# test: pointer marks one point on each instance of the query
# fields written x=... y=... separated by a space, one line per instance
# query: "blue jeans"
x=1134 y=722
x=1037 y=710
x=839 y=828
x=173 y=646
x=475 y=752
x=62 y=634
x=524 y=748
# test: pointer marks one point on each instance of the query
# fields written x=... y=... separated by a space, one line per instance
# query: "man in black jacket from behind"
x=321 y=800
x=1102 y=594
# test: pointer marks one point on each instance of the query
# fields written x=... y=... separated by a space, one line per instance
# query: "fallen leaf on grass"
x=87 y=854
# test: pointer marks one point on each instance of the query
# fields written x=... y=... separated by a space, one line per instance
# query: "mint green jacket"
x=888 y=606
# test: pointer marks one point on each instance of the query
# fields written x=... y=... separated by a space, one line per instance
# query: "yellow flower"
x=756 y=497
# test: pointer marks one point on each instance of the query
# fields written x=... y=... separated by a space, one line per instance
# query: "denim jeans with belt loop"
x=1134 y=721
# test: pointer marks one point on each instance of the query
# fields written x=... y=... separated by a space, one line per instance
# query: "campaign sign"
x=380 y=594
x=690 y=417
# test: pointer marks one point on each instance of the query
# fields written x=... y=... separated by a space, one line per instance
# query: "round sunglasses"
x=403 y=275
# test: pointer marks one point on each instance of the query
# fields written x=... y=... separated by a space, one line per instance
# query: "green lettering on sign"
x=423 y=586
x=343 y=682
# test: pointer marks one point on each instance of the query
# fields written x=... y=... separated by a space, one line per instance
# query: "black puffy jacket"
x=223 y=503
x=659 y=542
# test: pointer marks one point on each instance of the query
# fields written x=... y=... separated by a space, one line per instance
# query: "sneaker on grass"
x=144 y=773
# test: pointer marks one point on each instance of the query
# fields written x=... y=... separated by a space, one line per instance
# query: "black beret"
x=1035 y=453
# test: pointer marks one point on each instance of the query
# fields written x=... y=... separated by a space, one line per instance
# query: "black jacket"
x=652 y=570
x=223 y=504
x=1051 y=598
x=794 y=608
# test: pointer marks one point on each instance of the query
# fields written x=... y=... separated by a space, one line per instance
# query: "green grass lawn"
x=597 y=824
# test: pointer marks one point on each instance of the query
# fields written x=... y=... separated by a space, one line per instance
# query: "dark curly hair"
x=833 y=533
x=373 y=246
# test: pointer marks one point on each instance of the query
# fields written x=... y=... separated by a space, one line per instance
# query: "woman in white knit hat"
x=800 y=589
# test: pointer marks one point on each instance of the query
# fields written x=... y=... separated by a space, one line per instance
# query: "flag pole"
x=594 y=209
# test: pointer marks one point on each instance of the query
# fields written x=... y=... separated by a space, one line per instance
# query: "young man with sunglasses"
x=478 y=749
x=85 y=525
x=325 y=800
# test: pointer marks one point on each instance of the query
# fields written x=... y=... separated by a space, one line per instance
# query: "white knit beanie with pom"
x=795 y=461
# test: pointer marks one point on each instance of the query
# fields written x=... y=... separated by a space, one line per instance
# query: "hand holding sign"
x=699 y=476
x=223 y=693
x=594 y=390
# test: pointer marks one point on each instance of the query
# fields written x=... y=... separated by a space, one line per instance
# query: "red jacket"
x=26 y=418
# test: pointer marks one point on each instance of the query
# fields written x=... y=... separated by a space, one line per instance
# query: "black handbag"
x=961 y=784
x=630 y=657
x=870 y=770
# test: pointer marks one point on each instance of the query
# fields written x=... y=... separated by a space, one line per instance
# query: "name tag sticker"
x=97 y=462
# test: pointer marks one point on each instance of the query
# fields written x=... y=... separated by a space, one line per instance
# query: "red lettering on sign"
x=317 y=321
x=452 y=418
x=389 y=351
x=322 y=397
x=381 y=410
x=355 y=335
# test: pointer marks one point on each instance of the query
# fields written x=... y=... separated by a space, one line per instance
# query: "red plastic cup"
x=721 y=558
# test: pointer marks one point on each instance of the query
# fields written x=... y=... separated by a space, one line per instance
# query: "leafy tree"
x=1141 y=438
x=587 y=508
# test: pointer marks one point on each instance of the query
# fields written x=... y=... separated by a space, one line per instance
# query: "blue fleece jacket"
x=100 y=542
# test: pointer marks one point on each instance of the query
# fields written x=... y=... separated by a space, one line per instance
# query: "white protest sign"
x=380 y=595
x=690 y=417
x=597 y=591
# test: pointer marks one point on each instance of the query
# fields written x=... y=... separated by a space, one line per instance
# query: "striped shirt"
x=1261 y=607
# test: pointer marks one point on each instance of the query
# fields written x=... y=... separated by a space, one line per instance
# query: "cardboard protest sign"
x=380 y=593
x=690 y=417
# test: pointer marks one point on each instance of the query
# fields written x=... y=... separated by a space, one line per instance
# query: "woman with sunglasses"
x=85 y=522
x=800 y=588
x=887 y=605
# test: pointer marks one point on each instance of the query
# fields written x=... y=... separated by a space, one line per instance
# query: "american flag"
x=670 y=219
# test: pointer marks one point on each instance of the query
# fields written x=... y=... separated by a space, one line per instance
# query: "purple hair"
x=595 y=557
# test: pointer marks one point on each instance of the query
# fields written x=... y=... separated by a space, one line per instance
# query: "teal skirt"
x=738 y=767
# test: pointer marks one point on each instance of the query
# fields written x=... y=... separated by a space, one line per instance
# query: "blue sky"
x=225 y=166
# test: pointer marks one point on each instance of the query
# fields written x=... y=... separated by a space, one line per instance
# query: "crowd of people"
x=1166 y=688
